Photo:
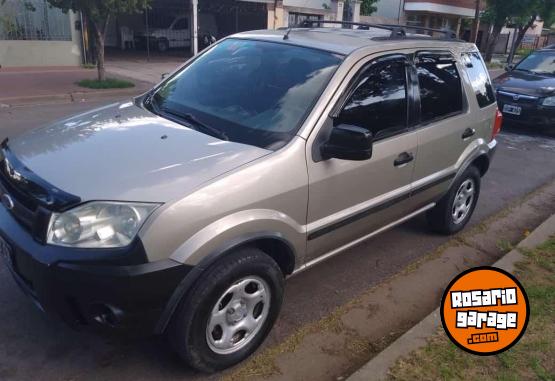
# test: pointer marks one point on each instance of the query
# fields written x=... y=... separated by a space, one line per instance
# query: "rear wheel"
x=455 y=209
x=229 y=312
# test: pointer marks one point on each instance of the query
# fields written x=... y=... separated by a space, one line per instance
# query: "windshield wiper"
x=198 y=125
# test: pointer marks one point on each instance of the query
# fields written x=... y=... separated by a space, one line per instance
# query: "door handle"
x=403 y=158
x=468 y=133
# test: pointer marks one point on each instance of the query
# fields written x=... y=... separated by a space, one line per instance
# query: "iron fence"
x=33 y=20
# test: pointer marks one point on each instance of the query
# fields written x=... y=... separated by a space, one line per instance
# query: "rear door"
x=444 y=131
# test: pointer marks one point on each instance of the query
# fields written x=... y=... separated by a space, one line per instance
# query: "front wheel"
x=454 y=210
x=229 y=312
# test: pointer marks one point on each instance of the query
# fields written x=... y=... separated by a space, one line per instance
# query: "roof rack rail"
x=448 y=33
x=397 y=31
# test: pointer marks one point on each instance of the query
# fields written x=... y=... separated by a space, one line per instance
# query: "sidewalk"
x=340 y=343
x=143 y=70
x=417 y=337
x=50 y=84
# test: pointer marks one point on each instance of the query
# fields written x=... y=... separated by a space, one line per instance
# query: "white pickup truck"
x=178 y=33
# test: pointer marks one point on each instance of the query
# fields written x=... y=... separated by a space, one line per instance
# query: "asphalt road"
x=33 y=347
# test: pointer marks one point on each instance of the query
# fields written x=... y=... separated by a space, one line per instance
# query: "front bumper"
x=111 y=292
x=533 y=114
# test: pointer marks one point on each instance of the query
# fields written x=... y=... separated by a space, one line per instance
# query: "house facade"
x=438 y=14
x=34 y=34
x=40 y=35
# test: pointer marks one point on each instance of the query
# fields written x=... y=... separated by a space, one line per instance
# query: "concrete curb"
x=415 y=338
x=71 y=97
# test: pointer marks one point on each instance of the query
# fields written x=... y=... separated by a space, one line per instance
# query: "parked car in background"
x=177 y=34
x=183 y=211
x=526 y=93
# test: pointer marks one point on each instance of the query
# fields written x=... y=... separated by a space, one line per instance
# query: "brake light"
x=497 y=123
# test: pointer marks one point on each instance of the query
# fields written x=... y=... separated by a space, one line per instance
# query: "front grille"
x=33 y=198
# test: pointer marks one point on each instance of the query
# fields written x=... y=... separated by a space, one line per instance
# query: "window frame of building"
x=295 y=18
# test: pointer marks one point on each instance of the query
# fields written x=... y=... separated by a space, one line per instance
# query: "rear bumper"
x=82 y=292
x=492 y=149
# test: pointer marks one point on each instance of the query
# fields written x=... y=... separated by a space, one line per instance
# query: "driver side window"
x=379 y=100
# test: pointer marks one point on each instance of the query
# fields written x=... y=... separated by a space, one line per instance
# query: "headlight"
x=98 y=224
x=549 y=101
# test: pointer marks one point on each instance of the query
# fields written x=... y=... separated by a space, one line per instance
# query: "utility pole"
x=194 y=27
x=475 y=23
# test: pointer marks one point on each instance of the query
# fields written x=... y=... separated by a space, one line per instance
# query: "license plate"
x=6 y=252
x=510 y=109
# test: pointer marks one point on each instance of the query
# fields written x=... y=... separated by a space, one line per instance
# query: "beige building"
x=438 y=14
x=286 y=13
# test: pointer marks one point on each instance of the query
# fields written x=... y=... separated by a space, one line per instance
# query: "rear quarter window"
x=479 y=78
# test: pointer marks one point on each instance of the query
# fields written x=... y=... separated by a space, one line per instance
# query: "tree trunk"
x=520 y=36
x=475 y=23
x=492 y=41
x=99 y=34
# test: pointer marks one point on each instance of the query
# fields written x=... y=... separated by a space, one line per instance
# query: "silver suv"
x=183 y=211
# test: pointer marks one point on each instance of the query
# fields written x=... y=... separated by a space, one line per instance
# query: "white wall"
x=315 y=4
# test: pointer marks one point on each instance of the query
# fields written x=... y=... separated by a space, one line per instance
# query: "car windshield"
x=247 y=91
x=539 y=63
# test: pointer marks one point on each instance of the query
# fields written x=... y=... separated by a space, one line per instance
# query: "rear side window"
x=479 y=78
x=379 y=101
x=440 y=86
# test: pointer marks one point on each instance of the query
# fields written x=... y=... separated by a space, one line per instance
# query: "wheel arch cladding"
x=279 y=250
x=274 y=246
x=482 y=162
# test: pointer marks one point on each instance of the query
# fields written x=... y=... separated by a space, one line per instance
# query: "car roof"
x=346 y=41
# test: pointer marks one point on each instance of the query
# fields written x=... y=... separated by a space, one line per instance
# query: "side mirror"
x=348 y=143
x=164 y=76
x=509 y=67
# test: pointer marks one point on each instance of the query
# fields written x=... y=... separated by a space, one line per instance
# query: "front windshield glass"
x=247 y=91
x=539 y=62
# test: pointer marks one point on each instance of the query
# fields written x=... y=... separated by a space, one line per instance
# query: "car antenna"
x=286 y=35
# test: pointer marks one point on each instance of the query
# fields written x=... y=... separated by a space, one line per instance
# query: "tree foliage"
x=519 y=13
x=100 y=10
x=367 y=7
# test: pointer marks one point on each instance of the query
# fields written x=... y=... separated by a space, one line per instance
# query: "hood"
x=123 y=152
x=526 y=83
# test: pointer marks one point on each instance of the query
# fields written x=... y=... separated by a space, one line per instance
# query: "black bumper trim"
x=77 y=288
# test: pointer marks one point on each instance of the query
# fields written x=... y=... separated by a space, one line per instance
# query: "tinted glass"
x=440 y=87
x=379 y=101
x=539 y=62
x=479 y=78
x=255 y=92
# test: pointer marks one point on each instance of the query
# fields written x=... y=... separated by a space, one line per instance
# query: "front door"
x=350 y=199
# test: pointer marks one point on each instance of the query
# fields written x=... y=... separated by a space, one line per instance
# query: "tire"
x=449 y=216
x=163 y=45
x=247 y=272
